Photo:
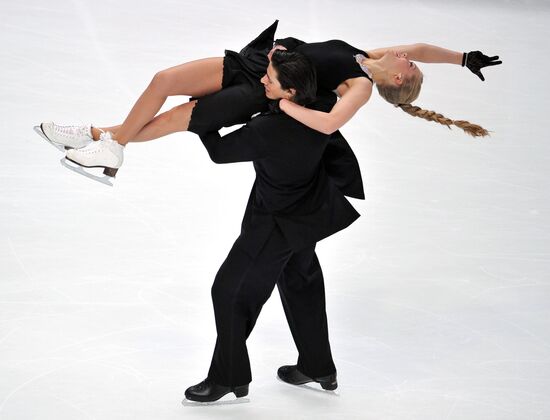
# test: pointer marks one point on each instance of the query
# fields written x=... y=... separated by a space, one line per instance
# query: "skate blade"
x=75 y=167
x=39 y=131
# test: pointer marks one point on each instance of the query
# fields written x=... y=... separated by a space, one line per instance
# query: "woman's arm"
x=329 y=122
x=425 y=53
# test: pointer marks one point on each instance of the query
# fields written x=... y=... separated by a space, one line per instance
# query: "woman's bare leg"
x=172 y=121
x=96 y=131
x=196 y=78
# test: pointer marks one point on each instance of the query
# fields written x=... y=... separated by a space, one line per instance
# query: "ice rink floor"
x=438 y=297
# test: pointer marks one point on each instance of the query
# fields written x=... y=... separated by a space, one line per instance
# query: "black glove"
x=475 y=60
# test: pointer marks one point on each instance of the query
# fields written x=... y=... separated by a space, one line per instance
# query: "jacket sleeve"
x=289 y=43
x=244 y=144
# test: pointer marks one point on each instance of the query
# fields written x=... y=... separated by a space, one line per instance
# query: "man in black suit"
x=293 y=204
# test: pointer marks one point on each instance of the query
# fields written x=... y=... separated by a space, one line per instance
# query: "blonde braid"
x=473 y=130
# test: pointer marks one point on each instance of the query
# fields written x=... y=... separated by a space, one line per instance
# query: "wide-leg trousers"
x=242 y=286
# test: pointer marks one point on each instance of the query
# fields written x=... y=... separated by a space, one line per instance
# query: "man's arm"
x=242 y=145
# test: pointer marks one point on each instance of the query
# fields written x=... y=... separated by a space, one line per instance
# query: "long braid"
x=473 y=130
x=408 y=91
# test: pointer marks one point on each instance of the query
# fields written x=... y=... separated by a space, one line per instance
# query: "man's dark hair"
x=295 y=71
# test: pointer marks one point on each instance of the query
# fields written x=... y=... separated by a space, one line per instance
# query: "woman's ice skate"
x=64 y=137
x=105 y=153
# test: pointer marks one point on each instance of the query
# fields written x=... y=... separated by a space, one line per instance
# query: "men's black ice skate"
x=208 y=391
x=290 y=374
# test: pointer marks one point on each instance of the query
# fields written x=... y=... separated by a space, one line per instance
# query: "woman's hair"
x=402 y=96
x=295 y=71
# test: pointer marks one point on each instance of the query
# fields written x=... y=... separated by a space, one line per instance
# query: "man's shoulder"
x=284 y=133
x=274 y=123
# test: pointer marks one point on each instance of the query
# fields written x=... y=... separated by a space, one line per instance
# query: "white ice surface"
x=438 y=297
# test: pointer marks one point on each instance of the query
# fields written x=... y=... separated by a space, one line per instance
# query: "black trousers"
x=242 y=286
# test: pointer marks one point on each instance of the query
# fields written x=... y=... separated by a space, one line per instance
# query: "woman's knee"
x=162 y=82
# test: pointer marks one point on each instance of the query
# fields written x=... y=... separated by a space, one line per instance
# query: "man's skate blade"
x=39 y=131
x=107 y=180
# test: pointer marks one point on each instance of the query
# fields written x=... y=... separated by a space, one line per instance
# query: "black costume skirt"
x=242 y=94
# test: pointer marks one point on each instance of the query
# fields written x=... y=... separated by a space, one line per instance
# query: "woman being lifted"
x=223 y=96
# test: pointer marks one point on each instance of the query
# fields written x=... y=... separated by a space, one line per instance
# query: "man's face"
x=273 y=89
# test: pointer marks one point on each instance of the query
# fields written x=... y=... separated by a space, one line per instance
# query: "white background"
x=437 y=297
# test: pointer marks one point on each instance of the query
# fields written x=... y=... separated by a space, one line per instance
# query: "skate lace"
x=105 y=144
x=92 y=148
x=70 y=130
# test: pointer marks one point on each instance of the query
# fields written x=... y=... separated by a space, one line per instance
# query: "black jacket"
x=292 y=189
x=340 y=162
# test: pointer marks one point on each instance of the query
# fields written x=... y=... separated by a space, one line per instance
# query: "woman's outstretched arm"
x=329 y=122
x=424 y=53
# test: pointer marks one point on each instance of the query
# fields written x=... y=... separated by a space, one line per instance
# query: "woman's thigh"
x=195 y=78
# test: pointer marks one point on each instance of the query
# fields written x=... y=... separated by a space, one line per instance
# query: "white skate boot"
x=105 y=153
x=64 y=137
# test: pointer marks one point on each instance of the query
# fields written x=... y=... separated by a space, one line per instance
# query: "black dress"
x=243 y=96
x=335 y=60
x=242 y=93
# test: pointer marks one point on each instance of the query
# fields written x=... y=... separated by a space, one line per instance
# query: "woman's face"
x=273 y=89
x=399 y=66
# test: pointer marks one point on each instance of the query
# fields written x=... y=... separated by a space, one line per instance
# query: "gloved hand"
x=475 y=60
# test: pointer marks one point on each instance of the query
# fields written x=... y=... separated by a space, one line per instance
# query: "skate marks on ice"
x=73 y=166
x=40 y=132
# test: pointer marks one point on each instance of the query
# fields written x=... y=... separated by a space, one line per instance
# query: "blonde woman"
x=351 y=73
x=227 y=91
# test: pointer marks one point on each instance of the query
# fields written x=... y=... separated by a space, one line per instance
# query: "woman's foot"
x=70 y=136
x=105 y=153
